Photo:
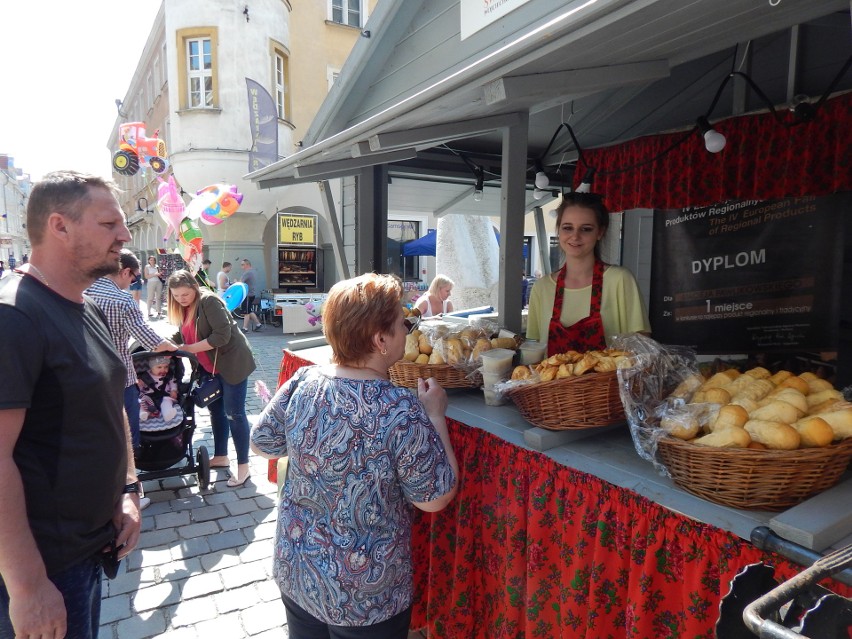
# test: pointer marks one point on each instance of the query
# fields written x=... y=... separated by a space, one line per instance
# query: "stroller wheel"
x=203 y=459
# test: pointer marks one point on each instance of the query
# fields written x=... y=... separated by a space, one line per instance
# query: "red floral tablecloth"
x=531 y=548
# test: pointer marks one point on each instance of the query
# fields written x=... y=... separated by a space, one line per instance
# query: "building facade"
x=190 y=89
x=15 y=186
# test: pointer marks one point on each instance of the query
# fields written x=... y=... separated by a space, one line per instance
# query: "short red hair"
x=357 y=309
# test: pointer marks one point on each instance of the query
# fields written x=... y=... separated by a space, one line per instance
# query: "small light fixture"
x=541 y=179
x=139 y=208
x=586 y=184
x=538 y=193
x=365 y=33
x=480 y=183
x=802 y=109
x=118 y=104
x=713 y=140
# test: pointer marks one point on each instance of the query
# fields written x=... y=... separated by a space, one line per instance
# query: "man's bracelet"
x=135 y=487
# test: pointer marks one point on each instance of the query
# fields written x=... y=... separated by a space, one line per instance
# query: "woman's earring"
x=384 y=351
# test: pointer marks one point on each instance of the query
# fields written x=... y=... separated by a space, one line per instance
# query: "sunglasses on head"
x=412 y=321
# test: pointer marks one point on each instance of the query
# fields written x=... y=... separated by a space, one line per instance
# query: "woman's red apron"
x=587 y=334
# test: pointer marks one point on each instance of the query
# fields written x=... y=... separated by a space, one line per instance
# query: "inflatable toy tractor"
x=135 y=150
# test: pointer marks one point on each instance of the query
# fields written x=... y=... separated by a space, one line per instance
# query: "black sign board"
x=749 y=276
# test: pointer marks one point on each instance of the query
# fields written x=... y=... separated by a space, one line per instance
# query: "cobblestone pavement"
x=204 y=562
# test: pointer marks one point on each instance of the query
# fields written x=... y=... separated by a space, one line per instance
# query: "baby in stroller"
x=158 y=392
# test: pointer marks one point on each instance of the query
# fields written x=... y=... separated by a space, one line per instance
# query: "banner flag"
x=263 y=120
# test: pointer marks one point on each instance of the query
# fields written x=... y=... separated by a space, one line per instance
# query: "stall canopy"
x=425 y=245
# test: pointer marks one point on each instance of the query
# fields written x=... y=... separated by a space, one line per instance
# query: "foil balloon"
x=190 y=239
x=171 y=206
x=215 y=203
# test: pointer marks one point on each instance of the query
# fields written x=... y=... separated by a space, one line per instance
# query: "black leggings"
x=301 y=625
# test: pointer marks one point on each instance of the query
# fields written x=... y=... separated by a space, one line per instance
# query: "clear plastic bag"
x=646 y=386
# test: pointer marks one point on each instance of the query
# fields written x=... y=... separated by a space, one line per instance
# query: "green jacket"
x=235 y=361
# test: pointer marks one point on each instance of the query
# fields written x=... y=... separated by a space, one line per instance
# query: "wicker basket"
x=754 y=479
x=587 y=401
x=405 y=373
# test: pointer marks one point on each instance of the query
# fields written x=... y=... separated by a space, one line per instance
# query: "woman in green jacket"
x=208 y=331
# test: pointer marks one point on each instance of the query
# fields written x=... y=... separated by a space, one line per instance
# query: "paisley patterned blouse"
x=359 y=451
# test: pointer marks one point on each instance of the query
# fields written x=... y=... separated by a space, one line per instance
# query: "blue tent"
x=426 y=245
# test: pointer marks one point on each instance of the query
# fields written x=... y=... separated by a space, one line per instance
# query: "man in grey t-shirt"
x=250 y=280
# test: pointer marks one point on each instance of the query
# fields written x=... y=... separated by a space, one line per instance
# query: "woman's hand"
x=434 y=397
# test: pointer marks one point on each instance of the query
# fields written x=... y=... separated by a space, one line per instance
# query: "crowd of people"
x=363 y=453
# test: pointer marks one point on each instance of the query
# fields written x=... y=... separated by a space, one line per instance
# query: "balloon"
x=190 y=239
x=215 y=203
x=171 y=206
x=234 y=295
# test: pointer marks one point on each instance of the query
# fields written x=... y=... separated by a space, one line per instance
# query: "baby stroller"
x=166 y=435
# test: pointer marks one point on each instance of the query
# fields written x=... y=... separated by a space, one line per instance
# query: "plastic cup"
x=489 y=379
x=532 y=352
x=497 y=360
x=492 y=398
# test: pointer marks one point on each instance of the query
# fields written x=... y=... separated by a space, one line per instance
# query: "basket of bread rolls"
x=756 y=440
x=451 y=355
x=570 y=390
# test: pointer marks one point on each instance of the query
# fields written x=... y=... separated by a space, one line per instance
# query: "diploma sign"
x=749 y=276
x=297 y=229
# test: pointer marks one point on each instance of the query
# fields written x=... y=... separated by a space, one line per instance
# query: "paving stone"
x=209 y=513
x=265 y=616
x=198 y=530
x=115 y=608
x=220 y=560
x=268 y=590
x=152 y=556
x=240 y=521
x=229 y=539
x=223 y=626
x=236 y=599
x=156 y=596
x=155 y=538
x=186 y=503
x=173 y=520
x=261 y=516
x=243 y=574
x=123 y=583
x=177 y=570
x=189 y=613
x=187 y=632
x=190 y=548
x=258 y=550
x=266 y=530
x=221 y=498
x=200 y=585
x=151 y=624
x=275 y=633
x=241 y=507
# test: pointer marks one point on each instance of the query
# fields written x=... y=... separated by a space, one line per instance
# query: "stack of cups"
x=532 y=352
x=496 y=367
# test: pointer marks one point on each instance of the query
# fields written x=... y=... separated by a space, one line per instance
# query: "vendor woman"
x=586 y=302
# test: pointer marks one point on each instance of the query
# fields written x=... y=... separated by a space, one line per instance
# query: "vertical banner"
x=749 y=276
x=263 y=120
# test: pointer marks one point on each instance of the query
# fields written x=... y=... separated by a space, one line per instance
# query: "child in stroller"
x=158 y=394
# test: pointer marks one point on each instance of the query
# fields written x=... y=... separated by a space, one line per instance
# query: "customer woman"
x=436 y=301
x=586 y=302
x=361 y=452
x=155 y=287
x=208 y=331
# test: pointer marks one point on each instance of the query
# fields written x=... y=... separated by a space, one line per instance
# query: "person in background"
x=207 y=330
x=586 y=302
x=203 y=276
x=524 y=289
x=154 y=288
x=135 y=289
x=70 y=491
x=2 y=269
x=362 y=452
x=436 y=301
x=223 y=280
x=250 y=280
x=125 y=320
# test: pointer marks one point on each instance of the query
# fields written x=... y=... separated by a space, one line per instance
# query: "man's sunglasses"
x=412 y=321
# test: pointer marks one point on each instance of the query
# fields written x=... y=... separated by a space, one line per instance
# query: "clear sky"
x=64 y=65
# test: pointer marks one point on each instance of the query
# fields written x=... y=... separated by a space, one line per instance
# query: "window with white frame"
x=346 y=12
x=331 y=76
x=199 y=67
x=164 y=71
x=281 y=81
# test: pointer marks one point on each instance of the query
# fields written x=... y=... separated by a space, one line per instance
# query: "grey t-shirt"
x=61 y=366
x=250 y=280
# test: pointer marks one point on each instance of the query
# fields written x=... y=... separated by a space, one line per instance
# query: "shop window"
x=197 y=60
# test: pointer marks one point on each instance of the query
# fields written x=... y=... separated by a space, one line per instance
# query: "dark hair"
x=593 y=202
x=128 y=259
x=206 y=262
x=225 y=264
x=64 y=192
x=355 y=310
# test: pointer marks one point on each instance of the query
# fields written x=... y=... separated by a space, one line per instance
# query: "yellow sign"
x=297 y=229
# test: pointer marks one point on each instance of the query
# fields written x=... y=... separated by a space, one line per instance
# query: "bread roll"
x=564 y=370
x=730 y=416
x=773 y=435
x=423 y=358
x=481 y=346
x=827 y=406
x=683 y=426
x=840 y=422
x=776 y=411
x=808 y=376
x=424 y=345
x=733 y=373
x=814 y=431
x=756 y=446
x=780 y=376
x=605 y=365
x=436 y=358
x=745 y=402
x=521 y=372
x=796 y=383
x=821 y=396
x=755 y=391
x=818 y=385
x=726 y=438
x=716 y=381
x=688 y=386
x=411 y=348
x=586 y=364
x=504 y=342
x=758 y=372
x=455 y=351
x=548 y=373
x=790 y=396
